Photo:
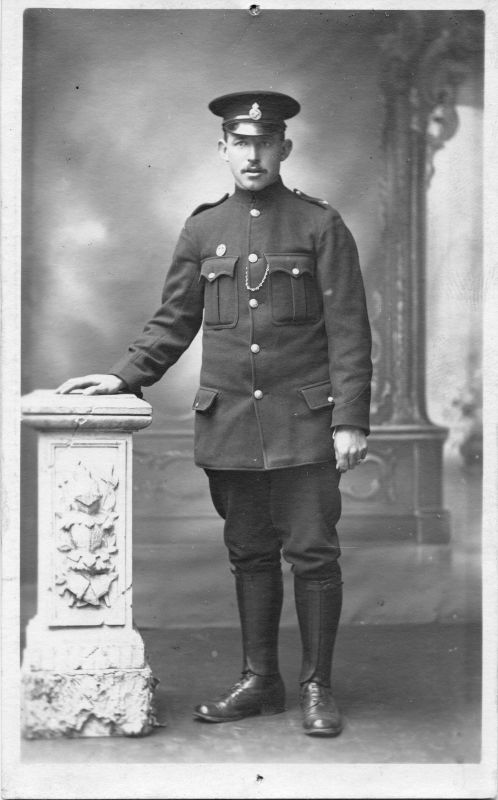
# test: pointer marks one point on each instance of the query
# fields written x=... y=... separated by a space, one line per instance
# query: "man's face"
x=254 y=160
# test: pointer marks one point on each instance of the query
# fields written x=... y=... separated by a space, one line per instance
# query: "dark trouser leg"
x=254 y=551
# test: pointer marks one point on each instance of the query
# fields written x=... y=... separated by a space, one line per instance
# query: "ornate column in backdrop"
x=84 y=670
x=398 y=492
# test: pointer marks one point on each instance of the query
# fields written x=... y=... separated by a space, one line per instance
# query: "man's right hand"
x=92 y=384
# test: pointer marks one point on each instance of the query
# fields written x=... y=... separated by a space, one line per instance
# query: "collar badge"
x=255 y=112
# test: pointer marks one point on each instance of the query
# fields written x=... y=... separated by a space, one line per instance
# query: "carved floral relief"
x=86 y=545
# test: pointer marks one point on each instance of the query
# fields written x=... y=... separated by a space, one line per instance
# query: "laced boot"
x=260 y=689
x=318 y=606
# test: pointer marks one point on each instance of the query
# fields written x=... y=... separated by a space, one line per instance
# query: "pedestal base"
x=114 y=702
x=85 y=682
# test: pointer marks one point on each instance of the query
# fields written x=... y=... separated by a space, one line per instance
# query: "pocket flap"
x=294 y=264
x=204 y=399
x=318 y=395
x=213 y=268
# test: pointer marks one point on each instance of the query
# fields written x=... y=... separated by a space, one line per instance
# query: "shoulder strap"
x=316 y=200
x=205 y=206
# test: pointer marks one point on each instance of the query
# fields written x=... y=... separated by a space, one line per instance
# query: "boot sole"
x=263 y=712
x=324 y=732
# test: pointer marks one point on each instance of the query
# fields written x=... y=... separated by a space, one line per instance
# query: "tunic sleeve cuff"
x=129 y=374
x=356 y=413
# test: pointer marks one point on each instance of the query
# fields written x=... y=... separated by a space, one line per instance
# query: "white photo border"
x=56 y=780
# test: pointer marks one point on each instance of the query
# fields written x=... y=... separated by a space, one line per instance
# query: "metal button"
x=295 y=270
x=253 y=302
x=253 y=258
x=211 y=276
x=254 y=212
x=255 y=348
x=258 y=394
x=221 y=250
x=330 y=399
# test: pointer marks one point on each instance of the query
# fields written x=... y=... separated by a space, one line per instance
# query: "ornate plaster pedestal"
x=84 y=669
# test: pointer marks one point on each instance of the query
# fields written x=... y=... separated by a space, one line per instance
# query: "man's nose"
x=253 y=152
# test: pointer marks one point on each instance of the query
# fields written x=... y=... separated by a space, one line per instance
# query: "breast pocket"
x=293 y=292
x=221 y=307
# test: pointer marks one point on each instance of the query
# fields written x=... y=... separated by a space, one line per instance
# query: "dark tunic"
x=280 y=365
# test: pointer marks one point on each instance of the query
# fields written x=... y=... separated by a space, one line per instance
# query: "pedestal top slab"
x=46 y=401
x=44 y=408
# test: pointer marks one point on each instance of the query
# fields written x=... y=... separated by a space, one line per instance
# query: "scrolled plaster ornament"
x=380 y=479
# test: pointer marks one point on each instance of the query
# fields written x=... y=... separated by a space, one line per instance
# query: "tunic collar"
x=268 y=194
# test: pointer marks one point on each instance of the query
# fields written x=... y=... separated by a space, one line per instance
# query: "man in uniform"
x=282 y=409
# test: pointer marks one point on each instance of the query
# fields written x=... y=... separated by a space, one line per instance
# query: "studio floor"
x=407 y=671
x=409 y=694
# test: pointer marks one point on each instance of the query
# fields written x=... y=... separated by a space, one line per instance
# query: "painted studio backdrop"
x=119 y=148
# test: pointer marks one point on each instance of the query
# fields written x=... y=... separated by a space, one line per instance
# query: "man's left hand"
x=350 y=445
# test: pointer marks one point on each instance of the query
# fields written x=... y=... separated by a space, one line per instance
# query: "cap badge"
x=221 y=250
x=255 y=112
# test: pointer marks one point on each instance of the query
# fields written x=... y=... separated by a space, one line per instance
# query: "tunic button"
x=258 y=394
x=253 y=302
x=295 y=271
x=254 y=212
x=255 y=348
x=253 y=258
x=211 y=276
x=330 y=399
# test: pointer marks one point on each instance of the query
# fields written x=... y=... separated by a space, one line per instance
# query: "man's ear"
x=286 y=149
x=222 y=149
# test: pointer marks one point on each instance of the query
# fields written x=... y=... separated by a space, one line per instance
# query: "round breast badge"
x=221 y=250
